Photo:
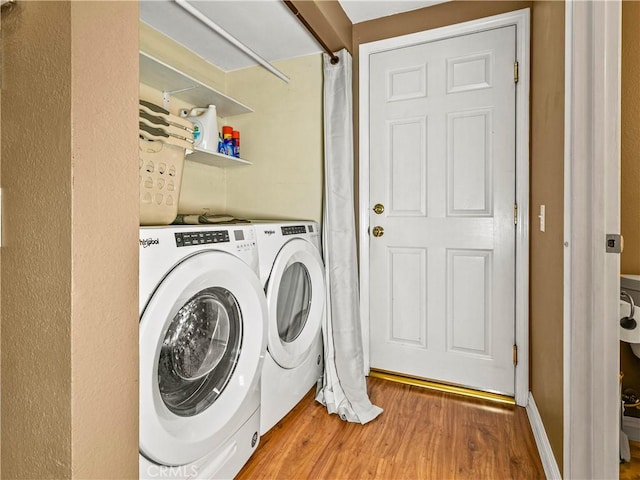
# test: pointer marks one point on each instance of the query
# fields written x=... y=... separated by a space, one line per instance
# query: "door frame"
x=592 y=209
x=521 y=19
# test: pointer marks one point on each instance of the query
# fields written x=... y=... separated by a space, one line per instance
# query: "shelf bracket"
x=166 y=95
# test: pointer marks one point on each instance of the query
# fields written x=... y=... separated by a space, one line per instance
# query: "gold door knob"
x=378 y=231
x=379 y=208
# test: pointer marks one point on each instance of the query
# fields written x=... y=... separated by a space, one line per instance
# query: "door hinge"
x=515 y=354
x=516 y=73
x=515 y=214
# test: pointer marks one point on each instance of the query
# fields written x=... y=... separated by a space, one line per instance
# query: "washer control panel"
x=187 y=239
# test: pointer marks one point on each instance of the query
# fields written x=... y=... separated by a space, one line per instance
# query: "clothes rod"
x=230 y=38
x=296 y=12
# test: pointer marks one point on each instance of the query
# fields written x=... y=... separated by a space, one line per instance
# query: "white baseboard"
x=631 y=426
x=549 y=463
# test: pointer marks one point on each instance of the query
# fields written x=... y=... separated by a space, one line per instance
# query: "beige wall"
x=104 y=208
x=69 y=254
x=36 y=309
x=283 y=138
x=546 y=250
x=36 y=327
x=547 y=121
x=630 y=141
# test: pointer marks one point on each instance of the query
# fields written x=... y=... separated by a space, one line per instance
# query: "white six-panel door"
x=442 y=164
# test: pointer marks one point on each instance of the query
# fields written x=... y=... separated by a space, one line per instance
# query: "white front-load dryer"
x=202 y=344
x=292 y=272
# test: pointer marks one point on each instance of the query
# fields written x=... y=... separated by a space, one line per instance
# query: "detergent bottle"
x=205 y=126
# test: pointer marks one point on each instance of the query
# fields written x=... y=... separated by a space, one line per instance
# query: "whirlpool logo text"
x=146 y=242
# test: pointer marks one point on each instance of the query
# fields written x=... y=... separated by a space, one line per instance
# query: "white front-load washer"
x=202 y=344
x=292 y=272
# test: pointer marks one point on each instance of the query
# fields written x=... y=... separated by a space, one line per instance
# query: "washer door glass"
x=294 y=302
x=200 y=351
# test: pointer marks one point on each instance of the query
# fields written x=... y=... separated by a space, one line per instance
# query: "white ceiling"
x=266 y=26
x=362 y=10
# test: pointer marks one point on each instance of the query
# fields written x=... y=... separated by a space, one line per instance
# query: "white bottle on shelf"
x=205 y=127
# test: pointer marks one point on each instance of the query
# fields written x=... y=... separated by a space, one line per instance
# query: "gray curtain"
x=344 y=388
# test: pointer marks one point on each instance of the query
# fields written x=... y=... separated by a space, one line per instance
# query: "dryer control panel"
x=293 y=229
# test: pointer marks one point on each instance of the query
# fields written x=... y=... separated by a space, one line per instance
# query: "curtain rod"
x=230 y=38
x=294 y=10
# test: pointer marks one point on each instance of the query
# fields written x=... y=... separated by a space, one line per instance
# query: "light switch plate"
x=542 y=218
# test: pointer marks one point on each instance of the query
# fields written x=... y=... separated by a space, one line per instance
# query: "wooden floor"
x=421 y=435
x=631 y=470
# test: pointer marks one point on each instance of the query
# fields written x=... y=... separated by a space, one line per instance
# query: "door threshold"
x=442 y=387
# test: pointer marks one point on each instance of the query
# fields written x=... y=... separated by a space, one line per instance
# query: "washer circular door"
x=202 y=341
x=295 y=298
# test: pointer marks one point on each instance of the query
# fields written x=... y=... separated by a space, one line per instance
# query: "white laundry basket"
x=164 y=141
x=161 y=166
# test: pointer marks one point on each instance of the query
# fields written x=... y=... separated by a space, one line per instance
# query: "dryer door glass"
x=200 y=351
x=294 y=302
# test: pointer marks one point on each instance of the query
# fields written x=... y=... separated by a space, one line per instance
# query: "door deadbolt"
x=378 y=208
x=377 y=231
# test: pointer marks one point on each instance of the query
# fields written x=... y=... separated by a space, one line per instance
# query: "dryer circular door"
x=295 y=298
x=202 y=343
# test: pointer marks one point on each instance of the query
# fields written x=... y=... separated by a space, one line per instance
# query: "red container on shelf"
x=235 y=137
x=227 y=140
